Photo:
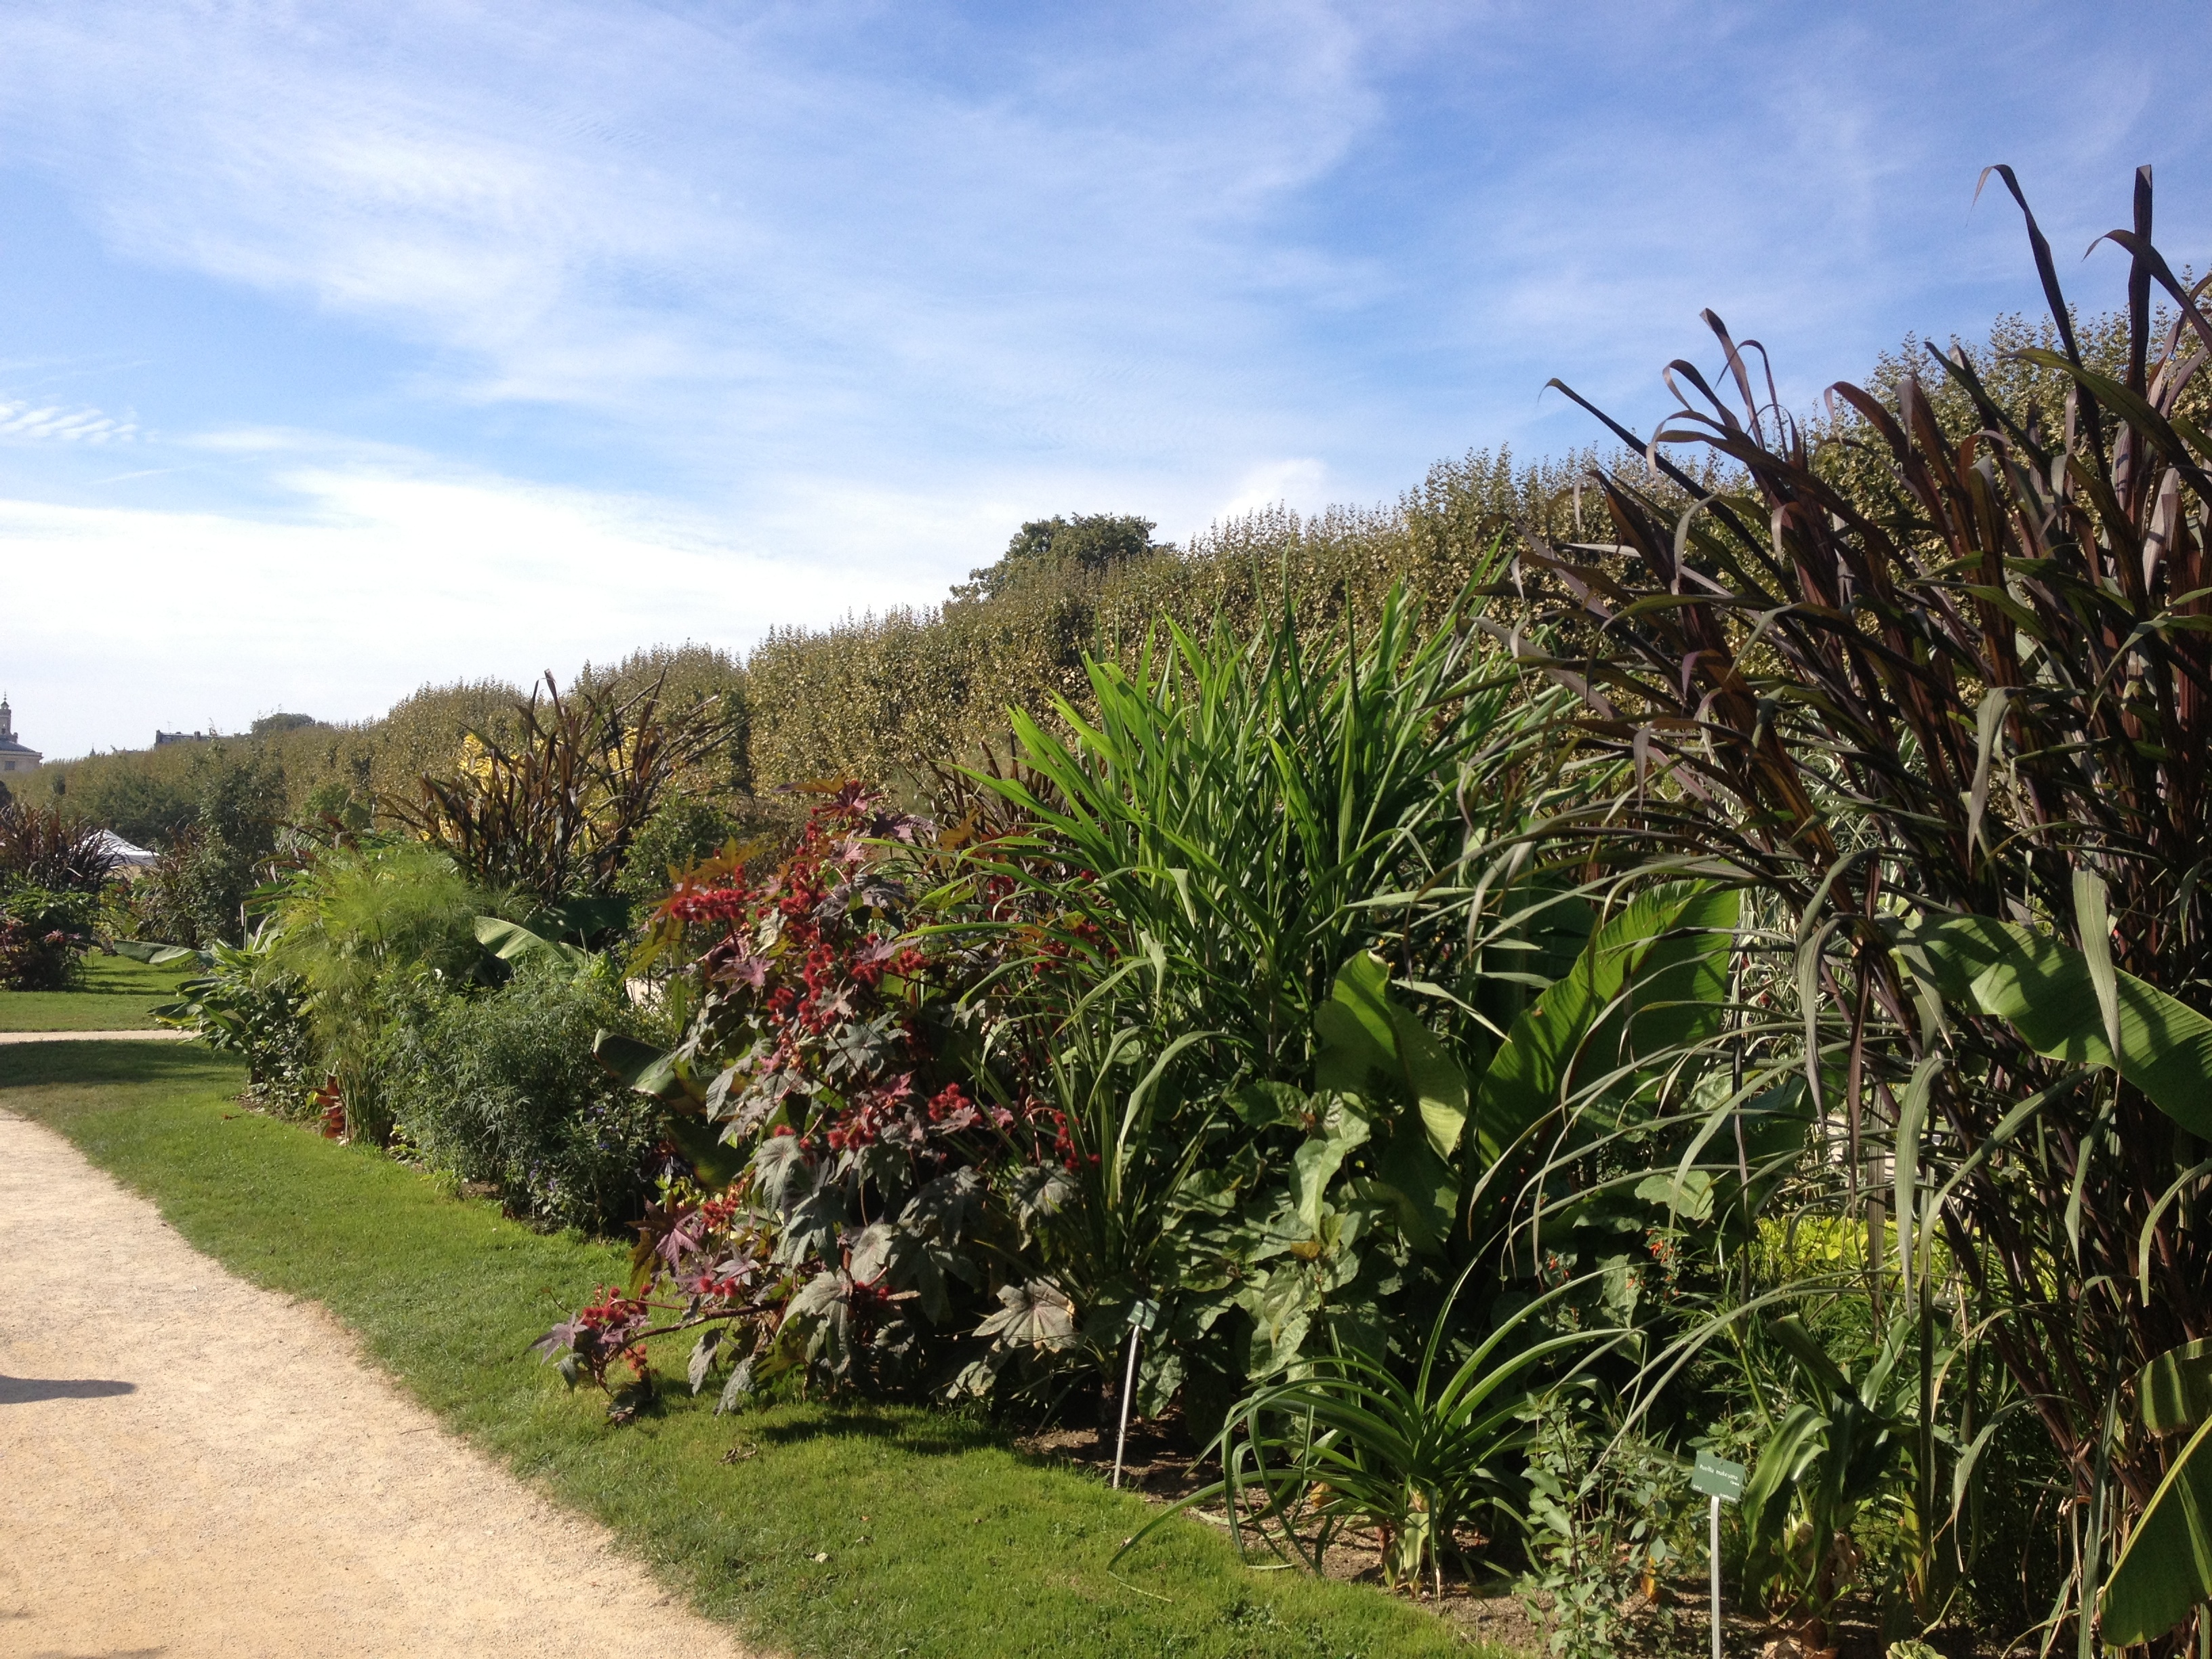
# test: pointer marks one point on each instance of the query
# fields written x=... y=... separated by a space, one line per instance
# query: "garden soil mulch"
x=194 y=1467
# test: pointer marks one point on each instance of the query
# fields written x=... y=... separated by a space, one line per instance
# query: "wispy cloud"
x=21 y=419
x=795 y=308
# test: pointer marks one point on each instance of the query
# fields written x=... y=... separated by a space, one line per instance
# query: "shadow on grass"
x=908 y=1429
x=184 y=1065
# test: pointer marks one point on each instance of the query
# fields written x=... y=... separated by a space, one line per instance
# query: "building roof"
x=10 y=746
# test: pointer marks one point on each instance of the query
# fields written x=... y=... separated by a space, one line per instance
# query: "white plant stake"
x=1141 y=1319
x=1722 y=1481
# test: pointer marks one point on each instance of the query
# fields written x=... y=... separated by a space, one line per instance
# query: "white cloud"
x=713 y=227
x=844 y=291
x=21 y=419
x=121 y=620
x=1300 y=484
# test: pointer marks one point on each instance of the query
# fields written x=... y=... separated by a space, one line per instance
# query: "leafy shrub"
x=364 y=930
x=827 y=1048
x=194 y=893
x=500 y=1088
x=43 y=936
x=1966 y=700
x=245 y=1004
x=55 y=870
x=1419 y=1458
x=684 y=832
x=1605 y=1535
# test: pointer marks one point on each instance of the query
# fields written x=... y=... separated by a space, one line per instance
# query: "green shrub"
x=247 y=1005
x=363 y=929
x=685 y=829
x=501 y=1088
x=551 y=810
x=43 y=936
x=51 y=848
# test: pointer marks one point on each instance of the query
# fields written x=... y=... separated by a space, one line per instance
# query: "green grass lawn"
x=115 y=997
x=941 y=1540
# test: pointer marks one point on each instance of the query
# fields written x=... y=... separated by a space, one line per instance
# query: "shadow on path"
x=22 y=1390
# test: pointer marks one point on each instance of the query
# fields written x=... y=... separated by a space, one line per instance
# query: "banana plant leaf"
x=2165 y=1571
x=2048 y=992
x=155 y=955
x=1365 y=1039
x=510 y=941
x=1372 y=1049
x=1650 y=981
x=642 y=1066
x=654 y=1072
x=583 y=914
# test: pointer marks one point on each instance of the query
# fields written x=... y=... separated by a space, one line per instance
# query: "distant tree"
x=1085 y=544
x=269 y=725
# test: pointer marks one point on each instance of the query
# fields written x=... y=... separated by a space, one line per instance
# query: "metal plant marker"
x=1142 y=1317
x=1722 y=1481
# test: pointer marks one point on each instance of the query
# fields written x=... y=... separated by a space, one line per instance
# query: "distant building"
x=163 y=739
x=15 y=755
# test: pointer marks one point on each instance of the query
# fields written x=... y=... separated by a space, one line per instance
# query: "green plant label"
x=1718 y=1478
x=1145 y=1315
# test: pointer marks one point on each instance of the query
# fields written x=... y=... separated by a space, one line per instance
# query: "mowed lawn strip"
x=940 y=1540
x=117 y=995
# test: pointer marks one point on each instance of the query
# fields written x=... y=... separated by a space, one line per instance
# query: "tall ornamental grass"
x=1956 y=730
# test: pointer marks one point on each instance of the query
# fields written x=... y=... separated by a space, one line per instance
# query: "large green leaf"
x=1316 y=1162
x=510 y=941
x=2046 y=991
x=654 y=1072
x=1417 y=1186
x=153 y=953
x=1370 y=1047
x=2166 y=1571
x=639 y=1065
x=2175 y=1389
x=1649 y=981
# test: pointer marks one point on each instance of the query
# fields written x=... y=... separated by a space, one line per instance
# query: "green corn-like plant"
x=1249 y=817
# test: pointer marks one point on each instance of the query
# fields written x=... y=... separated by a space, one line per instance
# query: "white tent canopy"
x=129 y=857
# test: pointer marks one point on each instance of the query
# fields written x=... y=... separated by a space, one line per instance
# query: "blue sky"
x=347 y=347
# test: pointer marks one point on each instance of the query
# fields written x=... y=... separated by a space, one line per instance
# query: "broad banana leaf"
x=152 y=954
x=654 y=1072
x=2176 y=1388
x=1369 y=1046
x=2166 y=1571
x=1650 y=981
x=1365 y=1038
x=642 y=1066
x=510 y=941
x=2048 y=994
x=582 y=915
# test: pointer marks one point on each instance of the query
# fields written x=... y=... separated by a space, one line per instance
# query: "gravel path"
x=191 y=1466
x=95 y=1036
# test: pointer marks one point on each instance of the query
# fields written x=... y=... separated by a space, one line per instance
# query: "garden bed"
x=817 y=1528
